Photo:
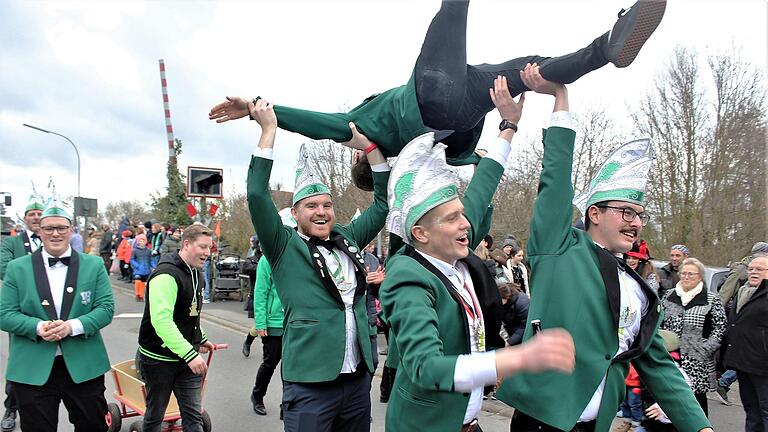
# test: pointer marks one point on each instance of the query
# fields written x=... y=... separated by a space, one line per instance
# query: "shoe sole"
x=722 y=399
x=648 y=18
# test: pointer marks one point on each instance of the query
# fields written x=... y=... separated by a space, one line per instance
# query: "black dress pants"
x=272 y=349
x=39 y=405
x=454 y=96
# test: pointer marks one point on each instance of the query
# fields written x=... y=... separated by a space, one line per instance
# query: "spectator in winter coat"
x=171 y=243
x=106 y=246
x=638 y=259
x=669 y=276
x=124 y=251
x=93 y=243
x=514 y=312
x=517 y=268
x=141 y=259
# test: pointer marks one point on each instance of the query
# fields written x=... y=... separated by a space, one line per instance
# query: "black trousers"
x=39 y=405
x=10 y=399
x=272 y=349
x=453 y=95
x=522 y=422
x=341 y=405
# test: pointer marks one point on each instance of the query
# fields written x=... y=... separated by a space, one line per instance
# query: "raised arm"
x=491 y=167
x=266 y=221
x=551 y=222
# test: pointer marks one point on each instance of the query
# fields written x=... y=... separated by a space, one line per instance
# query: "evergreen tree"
x=171 y=208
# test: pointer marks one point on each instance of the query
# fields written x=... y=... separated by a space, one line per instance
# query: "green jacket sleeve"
x=161 y=307
x=313 y=124
x=273 y=236
x=6 y=255
x=409 y=307
x=260 y=290
x=103 y=305
x=371 y=221
x=478 y=196
x=12 y=319
x=552 y=211
x=660 y=374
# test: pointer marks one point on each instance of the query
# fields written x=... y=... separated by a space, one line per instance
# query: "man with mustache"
x=24 y=243
x=579 y=284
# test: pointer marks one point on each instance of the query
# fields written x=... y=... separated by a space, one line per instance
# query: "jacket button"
x=607 y=356
x=733 y=325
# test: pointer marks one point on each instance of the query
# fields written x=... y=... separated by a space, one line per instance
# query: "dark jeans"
x=453 y=95
x=272 y=348
x=632 y=407
x=39 y=405
x=522 y=422
x=753 y=390
x=107 y=258
x=161 y=378
x=125 y=269
x=342 y=405
x=701 y=398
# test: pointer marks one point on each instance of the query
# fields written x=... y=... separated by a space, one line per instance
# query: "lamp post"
x=73 y=146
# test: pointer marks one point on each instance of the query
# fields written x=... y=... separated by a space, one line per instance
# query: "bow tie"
x=328 y=244
x=35 y=236
x=53 y=260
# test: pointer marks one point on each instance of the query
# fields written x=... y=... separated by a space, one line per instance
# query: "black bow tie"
x=35 y=236
x=328 y=244
x=53 y=260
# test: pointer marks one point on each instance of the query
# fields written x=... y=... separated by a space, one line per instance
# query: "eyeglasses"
x=689 y=274
x=59 y=229
x=756 y=269
x=629 y=214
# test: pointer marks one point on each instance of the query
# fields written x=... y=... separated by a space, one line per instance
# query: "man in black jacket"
x=747 y=352
x=105 y=247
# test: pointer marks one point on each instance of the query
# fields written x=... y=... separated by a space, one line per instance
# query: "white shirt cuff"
x=382 y=167
x=473 y=371
x=77 y=327
x=498 y=150
x=40 y=326
x=563 y=119
x=264 y=153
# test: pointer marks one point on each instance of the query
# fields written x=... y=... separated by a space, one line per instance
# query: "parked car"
x=713 y=276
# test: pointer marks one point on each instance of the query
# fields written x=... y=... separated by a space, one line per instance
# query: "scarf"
x=686 y=297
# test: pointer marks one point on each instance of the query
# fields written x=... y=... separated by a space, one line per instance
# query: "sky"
x=89 y=70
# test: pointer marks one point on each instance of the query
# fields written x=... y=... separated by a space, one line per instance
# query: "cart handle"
x=216 y=347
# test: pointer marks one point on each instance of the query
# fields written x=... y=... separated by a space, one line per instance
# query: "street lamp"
x=73 y=146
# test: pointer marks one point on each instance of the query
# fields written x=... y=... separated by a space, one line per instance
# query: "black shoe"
x=281 y=411
x=632 y=29
x=9 y=421
x=247 y=345
x=258 y=406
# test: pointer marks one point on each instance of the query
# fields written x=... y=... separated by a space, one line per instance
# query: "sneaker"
x=9 y=421
x=620 y=414
x=722 y=394
x=206 y=301
x=634 y=26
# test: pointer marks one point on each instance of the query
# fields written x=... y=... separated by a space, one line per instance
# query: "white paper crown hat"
x=622 y=177
x=420 y=181
x=307 y=181
x=56 y=207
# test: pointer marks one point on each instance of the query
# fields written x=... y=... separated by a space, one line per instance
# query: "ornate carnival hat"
x=308 y=183
x=623 y=177
x=420 y=181
x=56 y=207
x=35 y=202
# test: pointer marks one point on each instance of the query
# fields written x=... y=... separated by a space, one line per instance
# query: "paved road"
x=231 y=376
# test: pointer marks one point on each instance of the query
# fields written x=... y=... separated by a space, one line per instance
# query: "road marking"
x=129 y=315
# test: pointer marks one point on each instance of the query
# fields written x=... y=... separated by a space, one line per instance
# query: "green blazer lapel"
x=43 y=287
x=322 y=270
x=27 y=242
x=609 y=271
x=70 y=285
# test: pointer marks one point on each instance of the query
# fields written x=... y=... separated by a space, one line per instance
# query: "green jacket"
x=315 y=330
x=573 y=286
x=267 y=309
x=390 y=119
x=429 y=326
x=12 y=248
x=25 y=289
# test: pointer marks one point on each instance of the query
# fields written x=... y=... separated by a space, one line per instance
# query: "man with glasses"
x=747 y=352
x=54 y=303
x=580 y=284
x=26 y=242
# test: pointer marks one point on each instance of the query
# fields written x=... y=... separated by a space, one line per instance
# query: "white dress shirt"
x=57 y=276
x=634 y=306
x=34 y=243
x=476 y=370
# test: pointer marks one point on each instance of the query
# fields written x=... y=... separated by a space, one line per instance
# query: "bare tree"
x=133 y=210
x=596 y=137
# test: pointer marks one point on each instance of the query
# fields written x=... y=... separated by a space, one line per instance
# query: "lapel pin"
x=45 y=303
x=353 y=249
x=69 y=290
x=316 y=255
x=26 y=244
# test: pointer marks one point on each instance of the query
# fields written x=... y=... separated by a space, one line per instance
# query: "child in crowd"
x=141 y=258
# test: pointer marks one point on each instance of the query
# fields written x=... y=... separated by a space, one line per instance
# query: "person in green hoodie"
x=446 y=95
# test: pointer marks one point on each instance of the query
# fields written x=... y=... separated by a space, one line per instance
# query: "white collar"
x=306 y=237
x=619 y=255
x=66 y=253
x=444 y=267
